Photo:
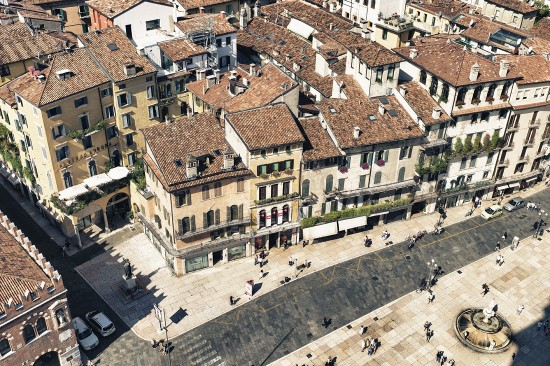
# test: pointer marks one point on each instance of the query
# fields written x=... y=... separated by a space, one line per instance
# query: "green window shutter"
x=362 y=180
x=228 y=213
x=204 y=220
x=310 y=211
x=241 y=211
x=341 y=184
x=348 y=162
x=386 y=153
x=241 y=229
x=217 y=217
x=178 y=200
x=323 y=208
x=188 y=197
x=193 y=226
x=369 y=159
x=180 y=226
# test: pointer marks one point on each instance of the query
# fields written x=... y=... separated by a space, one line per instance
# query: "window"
x=515 y=19
x=28 y=333
x=92 y=167
x=217 y=189
x=61 y=13
x=58 y=131
x=379 y=72
x=112 y=132
x=305 y=188
x=423 y=77
x=62 y=153
x=286 y=213
x=405 y=153
x=129 y=139
x=183 y=198
x=106 y=92
x=485 y=116
x=391 y=71
x=4 y=345
x=152 y=24
x=473 y=161
x=491 y=92
x=67 y=179
x=377 y=177
x=218 y=42
x=261 y=221
x=184 y=225
x=180 y=86
x=208 y=218
x=463 y=163
x=274 y=216
x=341 y=184
x=504 y=92
x=433 y=21
x=41 y=326
x=274 y=190
x=401 y=175
x=153 y=111
x=150 y=91
x=126 y=120
x=80 y=102
x=474 y=118
x=55 y=111
x=205 y=192
x=4 y=70
x=262 y=193
x=433 y=85
x=228 y=41
x=502 y=113
x=384 y=33
x=240 y=185
x=286 y=188
x=60 y=317
x=461 y=95
x=124 y=99
x=328 y=183
x=87 y=142
x=362 y=181
x=372 y=4
x=109 y=111
x=490 y=157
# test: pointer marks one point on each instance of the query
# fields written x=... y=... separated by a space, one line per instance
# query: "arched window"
x=240 y=185
x=234 y=212
x=477 y=94
x=92 y=167
x=209 y=218
x=28 y=333
x=305 y=188
x=158 y=221
x=491 y=91
x=391 y=71
x=68 y=179
x=205 y=192
x=377 y=177
x=116 y=158
x=41 y=326
x=444 y=92
x=401 y=176
x=461 y=95
x=50 y=181
x=217 y=189
x=4 y=347
x=433 y=85
x=379 y=72
x=274 y=216
x=286 y=212
x=60 y=317
x=372 y=4
x=261 y=221
x=328 y=183
x=423 y=77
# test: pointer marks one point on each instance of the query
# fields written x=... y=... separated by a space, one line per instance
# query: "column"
x=105 y=221
x=77 y=234
x=225 y=258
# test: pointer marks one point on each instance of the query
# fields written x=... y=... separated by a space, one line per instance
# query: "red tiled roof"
x=423 y=104
x=198 y=22
x=112 y=8
x=265 y=127
x=516 y=5
x=181 y=49
x=318 y=144
x=533 y=68
x=195 y=4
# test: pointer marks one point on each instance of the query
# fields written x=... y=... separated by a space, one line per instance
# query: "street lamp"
x=542 y=214
x=431 y=265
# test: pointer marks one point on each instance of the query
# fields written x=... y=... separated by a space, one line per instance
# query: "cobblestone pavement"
x=288 y=317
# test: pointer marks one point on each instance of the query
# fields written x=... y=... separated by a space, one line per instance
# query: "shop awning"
x=97 y=180
x=352 y=223
x=73 y=192
x=502 y=187
x=513 y=185
x=119 y=172
x=531 y=179
x=321 y=231
x=300 y=28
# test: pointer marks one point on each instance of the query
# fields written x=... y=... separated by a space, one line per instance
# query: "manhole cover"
x=408 y=257
x=375 y=278
x=309 y=355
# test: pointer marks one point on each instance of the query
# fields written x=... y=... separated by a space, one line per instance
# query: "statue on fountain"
x=489 y=311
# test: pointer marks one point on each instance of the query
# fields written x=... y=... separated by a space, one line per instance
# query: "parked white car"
x=492 y=212
x=100 y=322
x=86 y=337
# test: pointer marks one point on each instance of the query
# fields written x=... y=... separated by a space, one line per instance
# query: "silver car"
x=514 y=204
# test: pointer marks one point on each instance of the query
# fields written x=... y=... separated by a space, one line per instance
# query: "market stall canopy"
x=97 y=180
x=119 y=172
x=72 y=192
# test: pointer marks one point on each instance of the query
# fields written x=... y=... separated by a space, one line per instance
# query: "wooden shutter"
x=241 y=211
x=386 y=153
x=193 y=226
x=204 y=220
x=188 y=197
x=180 y=226
x=217 y=217
x=228 y=213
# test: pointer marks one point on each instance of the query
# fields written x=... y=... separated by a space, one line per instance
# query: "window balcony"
x=512 y=127
x=221 y=225
x=271 y=200
x=508 y=146
x=503 y=163
x=84 y=14
x=534 y=123
x=524 y=159
x=529 y=141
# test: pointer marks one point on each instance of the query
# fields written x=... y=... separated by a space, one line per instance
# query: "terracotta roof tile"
x=483 y=28
x=263 y=89
x=6 y=94
x=343 y=115
x=265 y=127
x=318 y=144
x=423 y=104
x=85 y=74
x=181 y=49
x=539 y=45
x=17 y=43
x=533 y=68
x=492 y=107
x=199 y=136
x=112 y=8
x=541 y=29
x=197 y=22
x=113 y=61
x=517 y=5
x=195 y=4
x=452 y=63
x=448 y=8
x=18 y=271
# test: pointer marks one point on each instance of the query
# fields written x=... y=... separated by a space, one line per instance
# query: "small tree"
x=487 y=142
x=459 y=148
x=477 y=144
x=468 y=147
x=494 y=140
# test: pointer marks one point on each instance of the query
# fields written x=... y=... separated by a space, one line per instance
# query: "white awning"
x=531 y=179
x=300 y=28
x=513 y=185
x=352 y=223
x=321 y=231
x=97 y=180
x=72 y=192
x=502 y=187
x=118 y=173
x=379 y=213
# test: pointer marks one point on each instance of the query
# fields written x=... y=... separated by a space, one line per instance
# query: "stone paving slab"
x=523 y=279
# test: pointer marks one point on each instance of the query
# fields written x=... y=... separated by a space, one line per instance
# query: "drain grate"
x=375 y=278
x=309 y=355
x=521 y=217
x=459 y=272
x=408 y=257
x=375 y=318
x=348 y=326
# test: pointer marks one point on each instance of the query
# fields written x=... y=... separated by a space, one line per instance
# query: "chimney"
x=381 y=109
x=330 y=26
x=296 y=67
x=228 y=159
x=200 y=74
x=217 y=75
x=332 y=7
x=413 y=53
x=222 y=15
x=436 y=113
x=242 y=19
x=356 y=132
x=246 y=82
x=324 y=4
x=201 y=10
x=474 y=72
x=472 y=23
x=191 y=167
x=504 y=66
x=210 y=81
x=257 y=8
x=403 y=90
x=252 y=70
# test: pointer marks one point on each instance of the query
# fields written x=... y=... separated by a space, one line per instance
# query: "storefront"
x=196 y=263
x=236 y=252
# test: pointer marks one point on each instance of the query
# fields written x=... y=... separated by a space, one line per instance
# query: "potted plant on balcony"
x=381 y=163
x=460 y=103
x=489 y=99
x=365 y=166
x=264 y=176
x=288 y=171
x=343 y=169
x=76 y=134
x=504 y=97
x=276 y=173
x=130 y=216
x=476 y=101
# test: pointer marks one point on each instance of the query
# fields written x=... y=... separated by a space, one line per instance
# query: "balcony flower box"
x=489 y=99
x=380 y=163
x=504 y=97
x=276 y=173
x=264 y=176
x=288 y=171
x=365 y=166
x=476 y=101
x=343 y=169
x=459 y=103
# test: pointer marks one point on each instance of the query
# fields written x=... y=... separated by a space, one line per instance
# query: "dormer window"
x=64 y=74
x=130 y=69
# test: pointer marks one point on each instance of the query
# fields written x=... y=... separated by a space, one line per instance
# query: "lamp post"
x=431 y=265
x=542 y=214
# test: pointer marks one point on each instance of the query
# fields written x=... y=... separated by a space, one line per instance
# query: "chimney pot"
x=504 y=66
x=474 y=72
x=381 y=109
x=356 y=132
x=436 y=113
x=413 y=53
x=201 y=10
x=252 y=70
x=403 y=90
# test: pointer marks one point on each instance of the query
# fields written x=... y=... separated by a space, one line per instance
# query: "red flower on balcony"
x=365 y=166
x=504 y=97
x=489 y=99
x=343 y=169
x=476 y=101
x=459 y=103
x=381 y=162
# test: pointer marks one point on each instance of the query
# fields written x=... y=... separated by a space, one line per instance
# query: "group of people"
x=544 y=327
x=532 y=206
x=261 y=258
x=442 y=359
x=371 y=345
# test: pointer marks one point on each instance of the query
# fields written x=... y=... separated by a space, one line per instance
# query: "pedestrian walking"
x=451 y=362
x=539 y=325
x=429 y=335
x=504 y=236
x=90 y=363
x=500 y=260
x=485 y=289
x=363 y=345
x=261 y=273
x=431 y=298
x=231 y=300
x=427 y=325
x=371 y=349
x=438 y=356
x=497 y=247
x=520 y=309
x=466 y=334
x=513 y=356
x=256 y=259
x=443 y=360
x=361 y=330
